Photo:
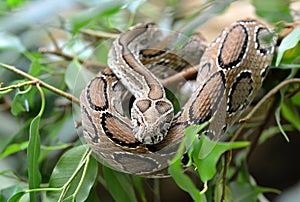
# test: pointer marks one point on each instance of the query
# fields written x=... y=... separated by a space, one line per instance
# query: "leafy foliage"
x=49 y=53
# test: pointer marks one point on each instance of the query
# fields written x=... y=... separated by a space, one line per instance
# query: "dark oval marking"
x=234 y=47
x=114 y=128
x=264 y=40
x=97 y=98
x=241 y=89
x=207 y=101
x=205 y=69
x=93 y=135
x=136 y=164
x=151 y=53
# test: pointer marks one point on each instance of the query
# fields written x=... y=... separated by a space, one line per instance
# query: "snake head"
x=151 y=119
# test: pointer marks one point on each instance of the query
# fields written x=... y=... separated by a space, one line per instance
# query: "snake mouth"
x=149 y=137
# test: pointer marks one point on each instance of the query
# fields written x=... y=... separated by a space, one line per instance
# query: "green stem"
x=42 y=83
x=83 y=173
x=42 y=99
x=66 y=185
x=7 y=89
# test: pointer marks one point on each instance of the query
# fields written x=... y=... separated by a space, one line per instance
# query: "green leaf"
x=56 y=147
x=20 y=103
x=104 y=9
x=290 y=113
x=271 y=131
x=242 y=192
x=191 y=134
x=273 y=11
x=8 y=192
x=68 y=174
x=296 y=99
x=184 y=182
x=207 y=153
x=277 y=116
x=289 y=42
x=245 y=192
x=177 y=172
x=33 y=154
x=260 y=190
x=137 y=181
x=219 y=191
x=287 y=66
x=243 y=174
x=10 y=174
x=35 y=68
x=77 y=77
x=33 y=150
x=13 y=148
x=174 y=100
x=14 y=3
x=16 y=197
x=88 y=179
x=119 y=185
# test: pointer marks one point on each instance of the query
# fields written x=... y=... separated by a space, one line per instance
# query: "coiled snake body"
x=230 y=73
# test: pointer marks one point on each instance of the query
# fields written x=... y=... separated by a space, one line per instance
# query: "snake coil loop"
x=230 y=73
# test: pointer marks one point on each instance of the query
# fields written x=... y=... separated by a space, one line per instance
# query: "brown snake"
x=230 y=74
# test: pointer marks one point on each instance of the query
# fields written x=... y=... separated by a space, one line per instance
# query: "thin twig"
x=184 y=75
x=228 y=155
x=293 y=92
x=42 y=83
x=19 y=85
x=54 y=41
x=71 y=57
x=58 y=52
x=99 y=34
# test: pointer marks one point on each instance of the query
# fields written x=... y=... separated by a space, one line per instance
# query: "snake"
x=142 y=138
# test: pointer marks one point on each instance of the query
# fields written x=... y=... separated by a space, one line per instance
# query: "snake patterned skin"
x=230 y=73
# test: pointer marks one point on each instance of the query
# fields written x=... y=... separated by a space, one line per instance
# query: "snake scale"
x=230 y=73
